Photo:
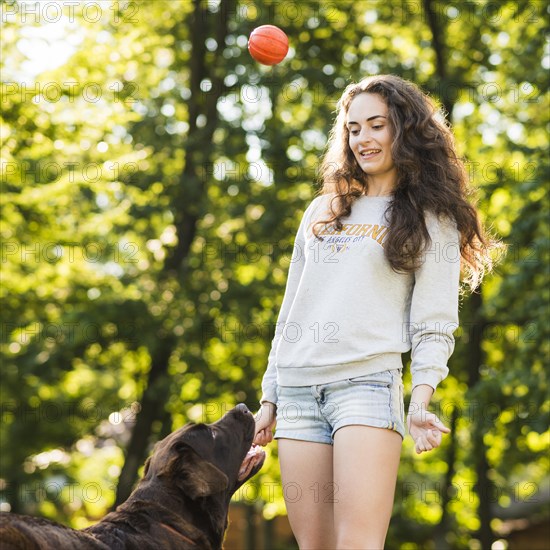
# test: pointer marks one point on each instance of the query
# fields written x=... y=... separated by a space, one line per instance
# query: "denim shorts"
x=314 y=413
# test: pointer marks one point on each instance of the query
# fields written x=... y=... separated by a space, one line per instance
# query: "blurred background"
x=153 y=177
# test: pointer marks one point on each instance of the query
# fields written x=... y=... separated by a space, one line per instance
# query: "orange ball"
x=268 y=44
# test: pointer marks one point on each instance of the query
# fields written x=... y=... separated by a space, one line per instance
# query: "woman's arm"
x=265 y=417
x=297 y=262
x=433 y=319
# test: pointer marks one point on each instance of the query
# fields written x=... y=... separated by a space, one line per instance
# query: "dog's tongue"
x=254 y=456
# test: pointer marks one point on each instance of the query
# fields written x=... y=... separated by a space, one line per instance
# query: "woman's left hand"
x=426 y=429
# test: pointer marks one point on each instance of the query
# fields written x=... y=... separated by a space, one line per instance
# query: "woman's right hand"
x=265 y=422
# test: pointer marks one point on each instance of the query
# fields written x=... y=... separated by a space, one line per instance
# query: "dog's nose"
x=241 y=407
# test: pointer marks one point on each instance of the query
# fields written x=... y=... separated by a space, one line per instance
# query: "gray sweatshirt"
x=346 y=313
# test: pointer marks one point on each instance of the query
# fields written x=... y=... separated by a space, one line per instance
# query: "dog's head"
x=208 y=459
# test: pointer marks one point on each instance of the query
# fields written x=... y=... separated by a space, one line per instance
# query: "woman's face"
x=370 y=137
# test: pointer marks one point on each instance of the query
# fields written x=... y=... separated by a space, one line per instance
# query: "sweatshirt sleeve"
x=434 y=304
x=269 y=382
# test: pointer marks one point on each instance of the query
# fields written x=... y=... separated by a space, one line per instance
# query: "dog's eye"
x=213 y=433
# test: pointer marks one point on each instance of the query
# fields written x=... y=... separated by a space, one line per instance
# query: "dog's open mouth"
x=253 y=460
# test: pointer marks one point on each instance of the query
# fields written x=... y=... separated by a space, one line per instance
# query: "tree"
x=146 y=238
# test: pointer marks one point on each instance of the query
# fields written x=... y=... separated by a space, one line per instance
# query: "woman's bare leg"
x=366 y=461
x=308 y=488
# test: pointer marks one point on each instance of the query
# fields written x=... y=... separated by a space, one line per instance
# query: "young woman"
x=375 y=273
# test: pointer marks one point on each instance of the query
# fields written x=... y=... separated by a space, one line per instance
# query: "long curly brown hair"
x=430 y=178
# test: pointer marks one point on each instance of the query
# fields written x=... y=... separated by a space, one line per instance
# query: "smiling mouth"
x=369 y=153
x=253 y=459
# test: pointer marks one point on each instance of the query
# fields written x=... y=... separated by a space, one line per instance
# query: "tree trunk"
x=440 y=50
x=475 y=352
x=483 y=486
x=443 y=526
x=152 y=401
x=188 y=205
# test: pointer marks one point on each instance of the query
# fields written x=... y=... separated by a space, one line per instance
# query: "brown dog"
x=180 y=503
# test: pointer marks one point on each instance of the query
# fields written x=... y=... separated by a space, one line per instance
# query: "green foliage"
x=92 y=191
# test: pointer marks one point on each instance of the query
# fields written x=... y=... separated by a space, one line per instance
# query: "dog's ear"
x=194 y=475
x=200 y=478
